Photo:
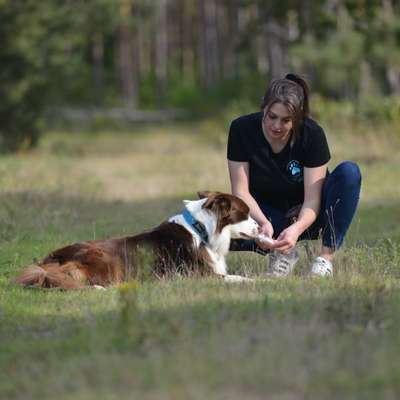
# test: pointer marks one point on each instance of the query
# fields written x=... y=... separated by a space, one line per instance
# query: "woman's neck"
x=277 y=145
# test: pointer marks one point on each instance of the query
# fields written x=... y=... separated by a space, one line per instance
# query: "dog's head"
x=231 y=212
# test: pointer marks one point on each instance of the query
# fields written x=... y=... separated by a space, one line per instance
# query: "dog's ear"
x=219 y=203
x=207 y=193
x=224 y=206
x=202 y=194
x=210 y=196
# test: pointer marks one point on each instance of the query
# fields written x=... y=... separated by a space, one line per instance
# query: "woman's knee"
x=348 y=172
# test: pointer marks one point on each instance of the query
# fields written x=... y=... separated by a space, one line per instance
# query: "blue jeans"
x=339 y=200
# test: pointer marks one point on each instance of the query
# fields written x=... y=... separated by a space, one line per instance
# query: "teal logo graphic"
x=295 y=170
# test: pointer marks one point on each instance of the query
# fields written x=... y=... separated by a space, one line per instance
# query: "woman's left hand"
x=287 y=239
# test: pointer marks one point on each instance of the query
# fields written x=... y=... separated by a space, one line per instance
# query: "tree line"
x=186 y=53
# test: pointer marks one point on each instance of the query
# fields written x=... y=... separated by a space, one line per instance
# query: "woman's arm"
x=313 y=181
x=239 y=175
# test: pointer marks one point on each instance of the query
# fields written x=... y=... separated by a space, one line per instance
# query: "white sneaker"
x=282 y=264
x=321 y=267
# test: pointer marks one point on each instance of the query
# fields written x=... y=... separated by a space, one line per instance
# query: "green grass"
x=295 y=338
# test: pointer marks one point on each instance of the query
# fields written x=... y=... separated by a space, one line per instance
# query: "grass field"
x=293 y=338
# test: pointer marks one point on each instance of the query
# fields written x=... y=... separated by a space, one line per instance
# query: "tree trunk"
x=393 y=78
x=392 y=71
x=127 y=52
x=144 y=56
x=190 y=36
x=230 y=41
x=366 y=85
x=161 y=51
x=209 y=52
x=98 y=65
x=277 y=44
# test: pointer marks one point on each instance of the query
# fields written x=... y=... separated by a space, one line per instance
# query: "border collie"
x=193 y=242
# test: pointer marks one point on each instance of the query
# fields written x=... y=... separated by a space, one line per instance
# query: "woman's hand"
x=267 y=230
x=287 y=239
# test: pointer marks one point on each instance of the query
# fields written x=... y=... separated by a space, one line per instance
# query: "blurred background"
x=154 y=60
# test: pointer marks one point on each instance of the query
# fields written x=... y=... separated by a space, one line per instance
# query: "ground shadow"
x=263 y=329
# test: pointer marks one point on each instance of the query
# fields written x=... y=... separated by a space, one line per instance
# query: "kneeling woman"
x=277 y=162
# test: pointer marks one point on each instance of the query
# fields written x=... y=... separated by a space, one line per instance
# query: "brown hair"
x=291 y=91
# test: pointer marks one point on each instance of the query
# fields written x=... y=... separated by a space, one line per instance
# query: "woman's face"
x=277 y=122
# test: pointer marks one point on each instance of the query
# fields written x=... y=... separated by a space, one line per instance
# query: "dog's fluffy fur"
x=172 y=247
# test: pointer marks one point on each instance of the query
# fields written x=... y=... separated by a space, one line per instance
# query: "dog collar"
x=198 y=226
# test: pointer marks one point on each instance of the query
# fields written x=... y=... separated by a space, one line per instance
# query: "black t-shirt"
x=277 y=178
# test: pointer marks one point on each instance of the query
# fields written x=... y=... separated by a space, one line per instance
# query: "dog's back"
x=169 y=248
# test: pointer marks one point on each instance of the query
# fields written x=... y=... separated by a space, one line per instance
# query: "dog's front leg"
x=219 y=267
x=217 y=263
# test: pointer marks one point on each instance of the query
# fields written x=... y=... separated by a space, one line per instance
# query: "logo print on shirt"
x=295 y=170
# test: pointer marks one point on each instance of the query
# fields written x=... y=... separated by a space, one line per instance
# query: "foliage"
x=175 y=54
x=21 y=83
x=374 y=110
x=41 y=56
x=209 y=101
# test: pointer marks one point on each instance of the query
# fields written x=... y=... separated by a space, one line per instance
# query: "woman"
x=277 y=161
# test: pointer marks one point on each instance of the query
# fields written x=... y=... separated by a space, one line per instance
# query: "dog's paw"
x=237 y=278
x=98 y=287
x=265 y=239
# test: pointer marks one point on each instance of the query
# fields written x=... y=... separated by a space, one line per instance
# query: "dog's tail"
x=67 y=276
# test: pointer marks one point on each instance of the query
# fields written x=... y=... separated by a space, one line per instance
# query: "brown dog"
x=195 y=241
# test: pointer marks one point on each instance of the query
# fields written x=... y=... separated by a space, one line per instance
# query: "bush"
x=190 y=95
x=20 y=81
x=366 y=111
x=42 y=58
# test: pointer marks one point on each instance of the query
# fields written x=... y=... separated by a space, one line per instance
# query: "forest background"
x=200 y=56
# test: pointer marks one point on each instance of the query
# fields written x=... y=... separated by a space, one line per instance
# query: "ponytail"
x=306 y=91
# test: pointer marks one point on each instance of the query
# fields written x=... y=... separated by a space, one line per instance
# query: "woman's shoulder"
x=313 y=144
x=248 y=120
x=311 y=132
x=243 y=136
x=309 y=125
